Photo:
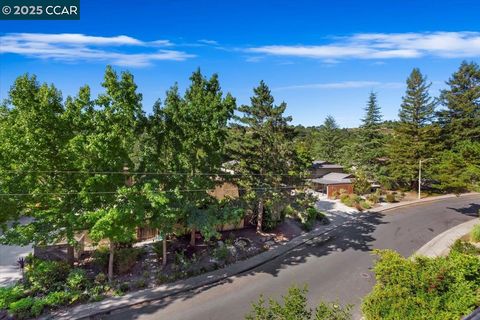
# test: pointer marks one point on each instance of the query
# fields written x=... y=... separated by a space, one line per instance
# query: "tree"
x=461 y=118
x=370 y=141
x=33 y=134
x=373 y=115
x=264 y=151
x=329 y=140
x=295 y=306
x=196 y=131
x=458 y=170
x=414 y=134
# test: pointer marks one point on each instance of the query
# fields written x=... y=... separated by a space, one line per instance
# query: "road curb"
x=440 y=245
x=422 y=201
x=147 y=295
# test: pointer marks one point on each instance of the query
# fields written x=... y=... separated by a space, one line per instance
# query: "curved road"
x=338 y=269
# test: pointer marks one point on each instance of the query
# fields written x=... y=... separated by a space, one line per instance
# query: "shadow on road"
x=472 y=210
x=353 y=235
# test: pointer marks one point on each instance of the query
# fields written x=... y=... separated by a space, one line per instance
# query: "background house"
x=328 y=178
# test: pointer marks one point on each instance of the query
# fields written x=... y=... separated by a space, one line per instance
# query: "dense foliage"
x=294 y=306
x=443 y=130
x=424 y=288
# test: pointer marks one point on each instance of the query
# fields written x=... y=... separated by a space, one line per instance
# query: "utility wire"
x=158 y=192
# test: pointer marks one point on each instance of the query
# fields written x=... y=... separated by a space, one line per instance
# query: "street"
x=335 y=270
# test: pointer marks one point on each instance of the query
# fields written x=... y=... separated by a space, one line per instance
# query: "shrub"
x=100 y=257
x=475 y=233
x=390 y=197
x=288 y=211
x=221 y=253
x=126 y=259
x=464 y=247
x=365 y=205
x=21 y=309
x=37 y=307
x=44 y=275
x=100 y=278
x=373 y=198
x=57 y=298
x=423 y=288
x=124 y=287
x=10 y=294
x=347 y=201
x=295 y=306
x=77 y=279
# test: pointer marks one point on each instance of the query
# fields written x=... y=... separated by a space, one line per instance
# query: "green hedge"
x=424 y=288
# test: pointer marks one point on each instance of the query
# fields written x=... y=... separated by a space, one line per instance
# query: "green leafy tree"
x=414 y=135
x=461 y=117
x=33 y=134
x=196 y=132
x=266 y=159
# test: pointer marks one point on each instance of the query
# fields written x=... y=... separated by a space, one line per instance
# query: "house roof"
x=334 y=178
x=325 y=164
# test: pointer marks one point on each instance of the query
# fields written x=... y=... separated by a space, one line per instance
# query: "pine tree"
x=414 y=133
x=264 y=152
x=461 y=118
x=329 y=140
x=370 y=141
x=373 y=115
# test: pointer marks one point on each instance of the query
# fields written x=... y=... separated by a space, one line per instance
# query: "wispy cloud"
x=73 y=47
x=384 y=46
x=344 y=85
x=208 y=42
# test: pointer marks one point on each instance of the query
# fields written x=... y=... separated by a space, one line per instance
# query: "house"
x=320 y=168
x=332 y=183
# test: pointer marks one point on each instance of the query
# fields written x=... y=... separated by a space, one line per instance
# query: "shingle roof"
x=326 y=164
x=334 y=178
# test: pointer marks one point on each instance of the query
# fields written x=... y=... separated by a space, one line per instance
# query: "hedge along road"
x=335 y=267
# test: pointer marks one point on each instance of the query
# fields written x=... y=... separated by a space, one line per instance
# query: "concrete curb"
x=163 y=291
x=422 y=201
x=440 y=245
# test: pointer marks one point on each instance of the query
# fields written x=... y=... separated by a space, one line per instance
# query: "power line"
x=158 y=192
x=126 y=173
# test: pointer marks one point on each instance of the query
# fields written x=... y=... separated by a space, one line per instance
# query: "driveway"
x=9 y=271
x=336 y=270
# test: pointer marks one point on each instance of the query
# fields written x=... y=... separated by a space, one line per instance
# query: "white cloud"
x=384 y=46
x=344 y=85
x=79 y=47
x=208 y=42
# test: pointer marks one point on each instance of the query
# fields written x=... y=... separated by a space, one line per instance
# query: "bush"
x=45 y=275
x=365 y=205
x=295 y=306
x=423 y=288
x=347 y=201
x=100 y=278
x=288 y=211
x=57 y=298
x=221 y=253
x=475 y=233
x=125 y=259
x=77 y=279
x=373 y=198
x=10 y=294
x=464 y=247
x=390 y=198
x=37 y=307
x=21 y=309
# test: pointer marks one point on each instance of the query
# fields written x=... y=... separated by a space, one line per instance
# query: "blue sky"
x=321 y=57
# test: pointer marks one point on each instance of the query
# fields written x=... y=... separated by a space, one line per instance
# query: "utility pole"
x=420 y=176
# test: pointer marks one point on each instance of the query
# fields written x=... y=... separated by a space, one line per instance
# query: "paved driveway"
x=336 y=270
x=9 y=271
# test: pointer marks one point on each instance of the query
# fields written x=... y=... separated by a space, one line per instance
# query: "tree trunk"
x=164 y=257
x=192 y=237
x=260 y=216
x=110 y=262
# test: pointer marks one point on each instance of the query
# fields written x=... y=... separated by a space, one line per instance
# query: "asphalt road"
x=335 y=270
